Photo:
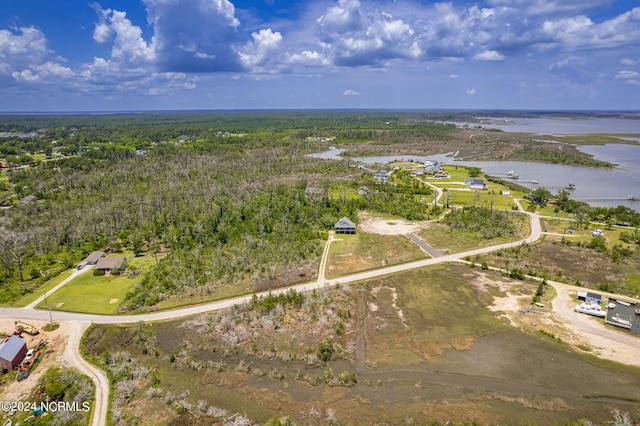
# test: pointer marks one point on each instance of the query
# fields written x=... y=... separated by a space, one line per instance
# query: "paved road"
x=424 y=246
x=98 y=376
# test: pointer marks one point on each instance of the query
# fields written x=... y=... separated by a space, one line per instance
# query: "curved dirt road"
x=72 y=357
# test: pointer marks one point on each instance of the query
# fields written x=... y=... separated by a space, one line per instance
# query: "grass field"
x=423 y=345
x=446 y=240
x=97 y=294
x=25 y=300
x=360 y=252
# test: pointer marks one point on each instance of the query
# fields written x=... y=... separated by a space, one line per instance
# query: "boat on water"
x=622 y=321
x=512 y=174
x=590 y=309
x=632 y=197
x=534 y=182
x=570 y=186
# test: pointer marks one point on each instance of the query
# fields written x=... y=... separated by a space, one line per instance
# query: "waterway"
x=567 y=125
x=593 y=185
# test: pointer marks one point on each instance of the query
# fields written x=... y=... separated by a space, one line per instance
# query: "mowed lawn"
x=96 y=294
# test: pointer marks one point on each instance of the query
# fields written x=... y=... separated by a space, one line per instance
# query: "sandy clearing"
x=377 y=225
x=572 y=327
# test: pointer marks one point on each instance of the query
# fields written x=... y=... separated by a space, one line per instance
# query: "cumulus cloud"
x=454 y=76
x=354 y=36
x=194 y=36
x=307 y=58
x=129 y=46
x=22 y=47
x=258 y=51
x=488 y=55
x=351 y=92
x=471 y=91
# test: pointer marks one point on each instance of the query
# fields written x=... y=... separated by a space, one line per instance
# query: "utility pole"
x=48 y=307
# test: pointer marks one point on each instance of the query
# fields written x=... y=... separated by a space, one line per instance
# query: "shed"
x=93 y=258
x=345 y=226
x=111 y=263
x=12 y=350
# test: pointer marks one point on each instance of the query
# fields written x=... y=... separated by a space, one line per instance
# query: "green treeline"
x=220 y=215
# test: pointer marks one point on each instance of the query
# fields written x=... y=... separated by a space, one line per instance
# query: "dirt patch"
x=377 y=225
x=112 y=301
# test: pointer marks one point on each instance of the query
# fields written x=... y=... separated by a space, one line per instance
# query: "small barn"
x=109 y=264
x=624 y=314
x=345 y=226
x=93 y=258
x=12 y=351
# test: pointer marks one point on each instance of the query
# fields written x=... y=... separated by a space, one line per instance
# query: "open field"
x=416 y=347
x=363 y=251
x=447 y=240
x=30 y=297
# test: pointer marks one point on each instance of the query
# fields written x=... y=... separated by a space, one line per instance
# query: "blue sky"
x=263 y=54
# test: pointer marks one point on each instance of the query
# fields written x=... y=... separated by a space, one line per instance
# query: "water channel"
x=598 y=187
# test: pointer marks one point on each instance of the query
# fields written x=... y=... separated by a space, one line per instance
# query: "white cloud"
x=454 y=76
x=258 y=51
x=307 y=58
x=194 y=36
x=471 y=91
x=102 y=33
x=22 y=47
x=628 y=61
x=627 y=74
x=351 y=92
x=488 y=55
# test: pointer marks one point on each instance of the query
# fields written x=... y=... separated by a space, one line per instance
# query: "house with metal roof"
x=12 y=351
x=109 y=264
x=93 y=258
x=345 y=226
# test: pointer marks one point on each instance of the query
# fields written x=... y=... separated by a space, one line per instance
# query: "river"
x=598 y=187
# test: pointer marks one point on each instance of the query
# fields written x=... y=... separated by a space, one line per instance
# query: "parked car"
x=80 y=266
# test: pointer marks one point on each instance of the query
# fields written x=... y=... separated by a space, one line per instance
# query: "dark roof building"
x=111 y=263
x=12 y=350
x=93 y=258
x=589 y=297
x=345 y=226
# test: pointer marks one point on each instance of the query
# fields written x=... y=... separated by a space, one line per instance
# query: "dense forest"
x=220 y=201
x=220 y=214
